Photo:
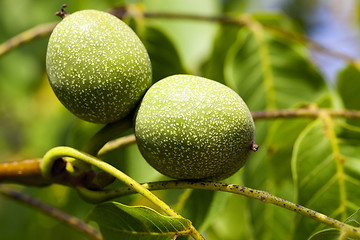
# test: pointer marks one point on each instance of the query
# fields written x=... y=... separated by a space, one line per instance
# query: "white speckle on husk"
x=189 y=127
x=97 y=66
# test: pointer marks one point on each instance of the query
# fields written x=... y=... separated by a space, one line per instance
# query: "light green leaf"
x=270 y=169
x=326 y=170
x=332 y=233
x=327 y=234
x=118 y=221
x=232 y=223
x=270 y=71
x=354 y=220
x=193 y=39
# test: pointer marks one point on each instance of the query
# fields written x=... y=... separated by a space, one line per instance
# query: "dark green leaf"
x=348 y=86
x=203 y=206
x=164 y=57
x=213 y=68
x=328 y=234
x=271 y=72
x=118 y=221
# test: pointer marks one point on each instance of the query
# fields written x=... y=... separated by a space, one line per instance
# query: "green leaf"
x=164 y=56
x=203 y=206
x=270 y=71
x=232 y=223
x=193 y=39
x=118 y=221
x=327 y=234
x=213 y=67
x=348 y=87
x=354 y=220
x=332 y=233
x=326 y=170
x=281 y=138
x=280 y=141
x=270 y=169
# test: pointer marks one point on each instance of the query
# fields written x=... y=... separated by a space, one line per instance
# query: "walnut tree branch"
x=305 y=112
x=27 y=172
x=240 y=20
x=263 y=196
x=129 y=12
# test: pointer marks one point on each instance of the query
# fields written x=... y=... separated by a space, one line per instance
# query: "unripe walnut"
x=189 y=127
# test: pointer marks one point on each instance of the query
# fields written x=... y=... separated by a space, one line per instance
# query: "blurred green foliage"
x=269 y=70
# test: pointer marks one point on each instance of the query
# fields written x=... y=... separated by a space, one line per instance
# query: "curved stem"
x=107 y=133
x=231 y=188
x=51 y=211
x=59 y=152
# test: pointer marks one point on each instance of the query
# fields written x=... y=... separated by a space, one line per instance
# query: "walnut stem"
x=63 y=14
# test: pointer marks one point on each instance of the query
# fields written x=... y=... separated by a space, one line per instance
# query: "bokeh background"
x=32 y=120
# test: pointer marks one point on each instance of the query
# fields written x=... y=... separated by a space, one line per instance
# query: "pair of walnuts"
x=186 y=127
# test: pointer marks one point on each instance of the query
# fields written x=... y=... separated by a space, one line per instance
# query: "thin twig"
x=123 y=12
x=260 y=115
x=240 y=20
x=27 y=172
x=231 y=188
x=69 y=220
x=27 y=36
x=304 y=112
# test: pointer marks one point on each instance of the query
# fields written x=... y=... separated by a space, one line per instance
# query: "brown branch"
x=27 y=172
x=69 y=220
x=304 y=112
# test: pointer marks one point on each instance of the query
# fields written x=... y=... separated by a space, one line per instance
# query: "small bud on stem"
x=62 y=12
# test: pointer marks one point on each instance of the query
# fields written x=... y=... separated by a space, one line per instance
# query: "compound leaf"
x=326 y=167
x=270 y=71
x=118 y=221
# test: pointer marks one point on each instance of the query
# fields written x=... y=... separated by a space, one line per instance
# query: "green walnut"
x=97 y=66
x=189 y=127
